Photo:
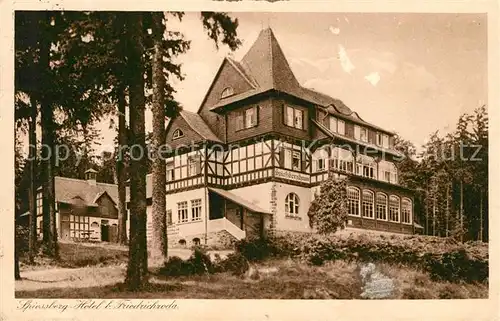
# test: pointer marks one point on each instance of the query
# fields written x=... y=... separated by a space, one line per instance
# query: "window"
x=169 y=217
x=294 y=117
x=319 y=160
x=379 y=139
x=381 y=206
x=353 y=201
x=342 y=159
x=364 y=134
x=357 y=132
x=228 y=91
x=341 y=127
x=388 y=172
x=196 y=241
x=79 y=227
x=394 y=208
x=406 y=210
x=196 y=209
x=177 y=134
x=320 y=165
x=385 y=141
x=367 y=204
x=333 y=124
x=170 y=171
x=251 y=117
x=182 y=211
x=365 y=166
x=194 y=165
x=246 y=118
x=296 y=161
x=292 y=204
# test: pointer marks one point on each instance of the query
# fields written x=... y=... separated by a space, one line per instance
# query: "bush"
x=444 y=259
x=235 y=263
x=254 y=250
x=199 y=263
x=176 y=266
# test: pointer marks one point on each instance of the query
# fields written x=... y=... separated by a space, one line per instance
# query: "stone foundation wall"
x=220 y=240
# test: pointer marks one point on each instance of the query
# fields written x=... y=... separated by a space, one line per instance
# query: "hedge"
x=443 y=258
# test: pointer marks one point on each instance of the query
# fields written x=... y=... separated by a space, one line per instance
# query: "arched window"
x=94 y=225
x=292 y=204
x=365 y=166
x=178 y=133
x=367 y=204
x=353 y=201
x=381 y=206
x=394 y=208
x=182 y=242
x=196 y=241
x=228 y=91
x=406 y=211
x=342 y=159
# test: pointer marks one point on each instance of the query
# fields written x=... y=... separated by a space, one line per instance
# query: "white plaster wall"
x=305 y=197
x=189 y=228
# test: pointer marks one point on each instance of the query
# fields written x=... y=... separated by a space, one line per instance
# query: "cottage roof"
x=69 y=190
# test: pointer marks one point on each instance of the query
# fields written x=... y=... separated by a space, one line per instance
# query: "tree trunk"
x=120 y=168
x=434 y=216
x=481 y=214
x=49 y=210
x=447 y=209
x=138 y=260
x=17 y=272
x=426 y=215
x=33 y=186
x=159 y=246
x=461 y=211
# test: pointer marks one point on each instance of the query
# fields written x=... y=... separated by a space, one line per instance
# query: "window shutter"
x=391 y=141
x=331 y=163
x=349 y=130
x=255 y=115
x=372 y=136
x=239 y=120
x=282 y=157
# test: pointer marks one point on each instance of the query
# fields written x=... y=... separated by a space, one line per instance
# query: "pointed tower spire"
x=266 y=62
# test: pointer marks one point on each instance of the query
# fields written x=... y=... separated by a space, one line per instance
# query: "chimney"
x=91 y=176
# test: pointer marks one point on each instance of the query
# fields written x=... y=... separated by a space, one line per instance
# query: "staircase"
x=223 y=224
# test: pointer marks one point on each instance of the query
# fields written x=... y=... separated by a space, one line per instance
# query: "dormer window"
x=228 y=91
x=178 y=133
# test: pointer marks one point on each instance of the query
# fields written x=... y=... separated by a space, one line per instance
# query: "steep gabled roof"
x=69 y=190
x=199 y=126
x=266 y=62
x=266 y=67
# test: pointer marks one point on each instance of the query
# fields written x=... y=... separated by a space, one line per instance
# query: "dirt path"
x=86 y=277
x=76 y=278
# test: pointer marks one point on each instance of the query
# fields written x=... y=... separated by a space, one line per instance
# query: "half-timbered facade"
x=252 y=158
x=86 y=210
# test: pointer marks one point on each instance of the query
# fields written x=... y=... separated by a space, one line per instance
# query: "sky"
x=409 y=73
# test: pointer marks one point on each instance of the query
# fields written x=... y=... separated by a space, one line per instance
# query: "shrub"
x=200 y=262
x=442 y=258
x=176 y=266
x=328 y=210
x=254 y=250
x=235 y=263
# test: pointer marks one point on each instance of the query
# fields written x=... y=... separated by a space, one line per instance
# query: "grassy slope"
x=289 y=280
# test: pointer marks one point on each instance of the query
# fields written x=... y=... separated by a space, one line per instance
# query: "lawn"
x=270 y=279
